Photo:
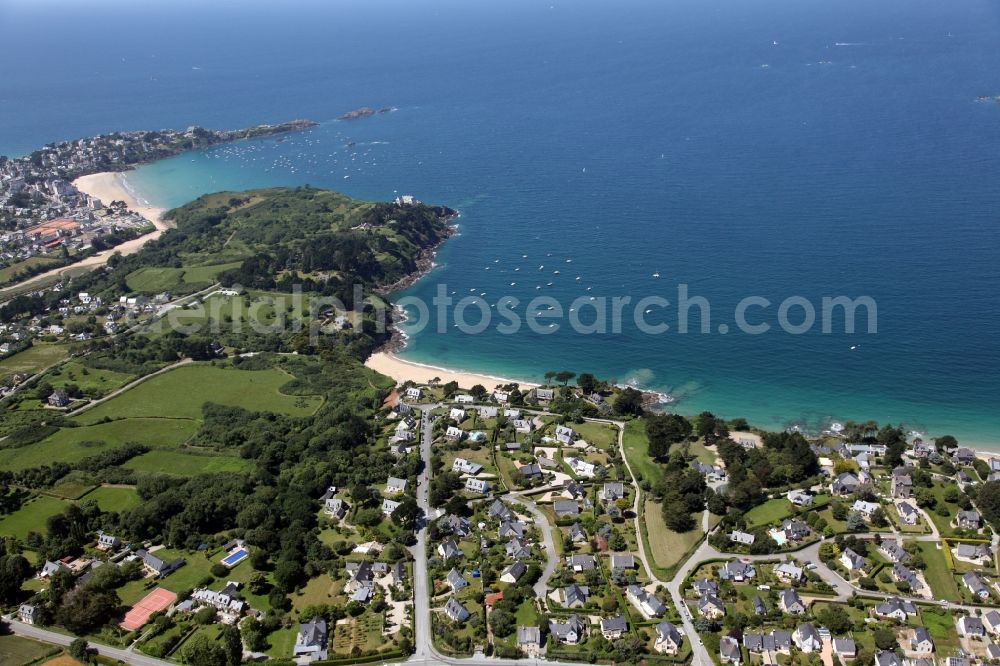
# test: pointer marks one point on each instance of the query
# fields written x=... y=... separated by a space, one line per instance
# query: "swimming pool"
x=235 y=558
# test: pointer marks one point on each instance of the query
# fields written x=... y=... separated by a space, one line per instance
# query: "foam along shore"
x=110 y=186
x=400 y=370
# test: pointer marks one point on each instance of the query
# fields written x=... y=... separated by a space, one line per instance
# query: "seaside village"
x=545 y=539
x=46 y=222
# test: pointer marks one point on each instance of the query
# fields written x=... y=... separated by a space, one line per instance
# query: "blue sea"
x=773 y=149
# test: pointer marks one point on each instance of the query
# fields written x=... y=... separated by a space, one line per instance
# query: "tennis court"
x=156 y=600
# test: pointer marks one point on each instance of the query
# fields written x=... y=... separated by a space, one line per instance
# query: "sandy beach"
x=400 y=370
x=107 y=187
x=110 y=186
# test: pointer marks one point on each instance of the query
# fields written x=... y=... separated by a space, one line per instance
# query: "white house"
x=480 y=486
x=395 y=486
x=565 y=435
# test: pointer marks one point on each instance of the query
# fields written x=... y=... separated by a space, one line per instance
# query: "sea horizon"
x=835 y=150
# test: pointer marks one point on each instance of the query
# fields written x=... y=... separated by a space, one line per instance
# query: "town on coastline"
x=47 y=222
x=196 y=468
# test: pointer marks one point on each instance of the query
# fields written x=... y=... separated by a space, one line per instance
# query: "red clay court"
x=139 y=614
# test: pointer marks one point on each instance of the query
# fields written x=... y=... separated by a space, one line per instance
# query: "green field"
x=247 y=311
x=186 y=464
x=667 y=547
x=8 y=272
x=636 y=447
x=157 y=279
x=938 y=575
x=34 y=359
x=73 y=444
x=181 y=393
x=70 y=490
x=113 y=498
x=88 y=379
x=15 y=650
x=598 y=434
x=31 y=517
x=769 y=512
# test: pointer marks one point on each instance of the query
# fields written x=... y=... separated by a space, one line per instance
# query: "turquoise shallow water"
x=770 y=150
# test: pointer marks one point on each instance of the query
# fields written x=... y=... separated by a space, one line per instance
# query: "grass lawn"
x=186 y=464
x=114 y=498
x=318 y=590
x=8 y=273
x=31 y=517
x=600 y=435
x=254 y=308
x=181 y=393
x=527 y=615
x=18 y=650
x=667 y=547
x=157 y=279
x=70 y=490
x=938 y=575
x=188 y=576
x=769 y=512
x=73 y=444
x=636 y=447
x=941 y=626
x=88 y=379
x=701 y=453
x=34 y=359
x=282 y=641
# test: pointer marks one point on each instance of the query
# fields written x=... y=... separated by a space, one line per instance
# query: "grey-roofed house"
x=500 y=511
x=852 y=561
x=740 y=537
x=737 y=571
x=907 y=512
x=576 y=533
x=896 y=608
x=788 y=572
x=310 y=642
x=529 y=640
x=622 y=561
x=565 y=508
x=806 y=638
x=968 y=551
x=668 y=638
x=513 y=572
x=845 y=648
x=611 y=491
x=511 y=528
x=570 y=632
x=970 y=625
x=729 y=650
x=845 y=483
x=974 y=583
x=27 y=613
x=478 y=486
x=448 y=549
x=922 y=641
x=893 y=551
x=455 y=524
x=887 y=658
x=647 y=604
x=613 y=627
x=158 y=566
x=705 y=586
x=759 y=608
x=791 y=603
x=517 y=549
x=709 y=606
x=969 y=520
x=455 y=610
x=581 y=562
x=901 y=574
x=456 y=581
x=575 y=596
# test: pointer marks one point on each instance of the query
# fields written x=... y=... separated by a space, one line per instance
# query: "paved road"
x=421 y=594
x=699 y=655
x=135 y=658
x=541 y=586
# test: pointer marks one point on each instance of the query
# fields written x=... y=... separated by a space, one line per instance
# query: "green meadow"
x=74 y=444
x=186 y=464
x=181 y=393
x=31 y=517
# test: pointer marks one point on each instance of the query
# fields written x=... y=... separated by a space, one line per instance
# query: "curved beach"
x=400 y=370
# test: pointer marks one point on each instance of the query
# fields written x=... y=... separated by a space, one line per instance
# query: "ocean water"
x=771 y=149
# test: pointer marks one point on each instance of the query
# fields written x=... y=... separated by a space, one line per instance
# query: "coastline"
x=391 y=365
x=110 y=186
x=107 y=186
